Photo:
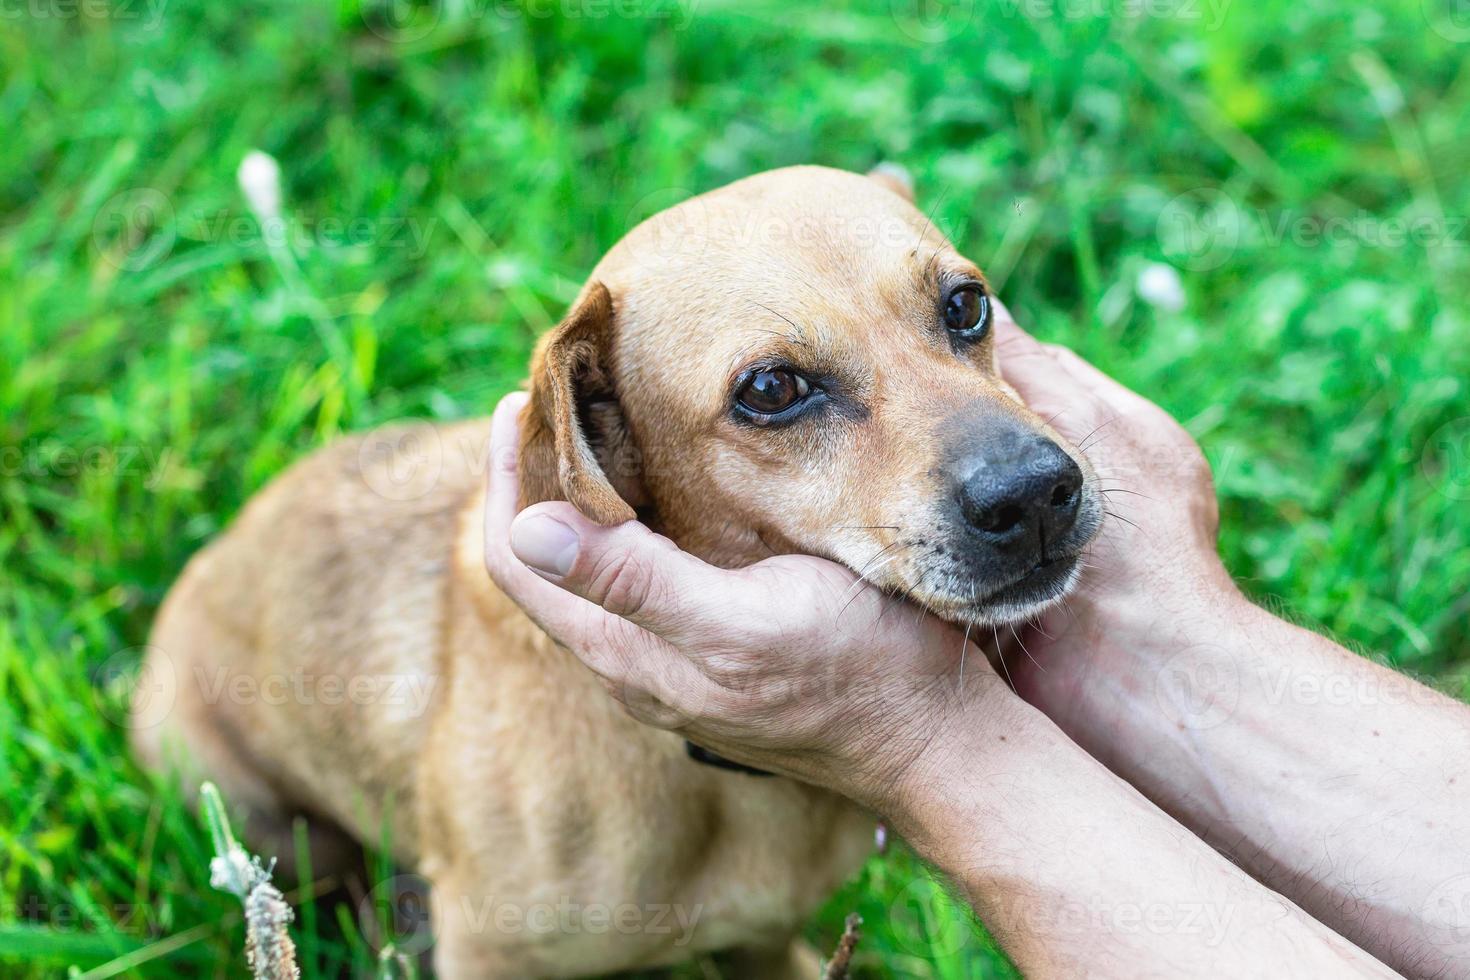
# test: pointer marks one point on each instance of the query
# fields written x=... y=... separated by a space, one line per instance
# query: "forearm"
x=1077 y=874
x=1307 y=764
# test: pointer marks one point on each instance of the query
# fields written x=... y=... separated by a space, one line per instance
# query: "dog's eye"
x=772 y=392
x=967 y=312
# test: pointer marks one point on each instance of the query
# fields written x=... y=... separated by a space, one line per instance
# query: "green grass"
x=451 y=187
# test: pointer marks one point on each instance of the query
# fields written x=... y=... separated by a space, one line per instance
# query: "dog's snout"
x=1022 y=499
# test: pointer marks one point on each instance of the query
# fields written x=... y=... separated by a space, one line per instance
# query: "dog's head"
x=799 y=362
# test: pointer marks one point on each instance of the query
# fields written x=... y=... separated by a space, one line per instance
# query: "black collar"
x=709 y=758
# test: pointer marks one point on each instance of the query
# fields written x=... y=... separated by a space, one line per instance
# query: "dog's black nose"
x=1021 y=499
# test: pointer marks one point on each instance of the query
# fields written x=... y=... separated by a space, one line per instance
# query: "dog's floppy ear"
x=573 y=431
x=894 y=177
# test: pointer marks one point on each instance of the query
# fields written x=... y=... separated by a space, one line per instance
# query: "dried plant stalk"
x=269 y=951
x=841 y=960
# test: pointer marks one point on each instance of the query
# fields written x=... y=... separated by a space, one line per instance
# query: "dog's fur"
x=513 y=781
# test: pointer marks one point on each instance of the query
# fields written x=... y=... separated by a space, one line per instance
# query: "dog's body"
x=340 y=652
x=519 y=786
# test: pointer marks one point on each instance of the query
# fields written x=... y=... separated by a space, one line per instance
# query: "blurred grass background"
x=452 y=170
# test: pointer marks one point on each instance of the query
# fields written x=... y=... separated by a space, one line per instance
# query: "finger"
x=661 y=687
x=572 y=622
x=505 y=438
x=1090 y=379
x=656 y=684
x=541 y=601
x=653 y=680
x=1026 y=364
x=502 y=490
x=638 y=575
x=1010 y=339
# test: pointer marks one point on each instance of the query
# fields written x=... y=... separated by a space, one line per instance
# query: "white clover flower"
x=1159 y=286
x=259 y=177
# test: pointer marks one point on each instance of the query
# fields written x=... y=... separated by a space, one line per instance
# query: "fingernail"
x=544 y=543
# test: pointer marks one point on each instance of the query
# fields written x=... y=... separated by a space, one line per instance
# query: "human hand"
x=1161 y=538
x=1283 y=750
x=789 y=665
x=1153 y=570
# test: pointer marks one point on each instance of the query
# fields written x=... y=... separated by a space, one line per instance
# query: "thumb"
x=628 y=570
x=1023 y=361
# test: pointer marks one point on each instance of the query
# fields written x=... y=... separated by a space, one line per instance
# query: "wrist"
x=1156 y=613
x=953 y=742
x=1130 y=666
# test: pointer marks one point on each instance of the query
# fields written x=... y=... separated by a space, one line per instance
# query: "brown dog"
x=797 y=362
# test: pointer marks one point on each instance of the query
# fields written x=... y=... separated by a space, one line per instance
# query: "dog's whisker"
x=862 y=573
x=916 y=588
x=1101 y=425
x=995 y=633
x=865 y=573
x=1120 y=517
x=1066 y=606
x=1025 y=651
x=1123 y=490
x=890 y=599
x=867 y=578
x=964 y=649
x=1098 y=441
